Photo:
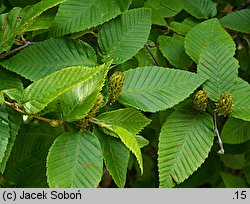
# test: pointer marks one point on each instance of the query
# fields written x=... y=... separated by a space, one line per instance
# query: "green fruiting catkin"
x=200 y=101
x=224 y=104
x=116 y=82
x=97 y=106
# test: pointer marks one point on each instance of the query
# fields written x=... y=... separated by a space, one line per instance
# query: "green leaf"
x=130 y=142
x=200 y=37
x=74 y=15
x=78 y=101
x=75 y=161
x=234 y=161
x=29 y=13
x=141 y=141
x=200 y=8
x=127 y=118
x=157 y=88
x=124 y=4
x=116 y=157
x=163 y=9
x=241 y=100
x=17 y=20
x=218 y=65
x=2 y=8
x=121 y=38
x=11 y=85
x=173 y=49
x=247 y=173
x=235 y=131
x=27 y=162
x=42 y=59
x=15 y=120
x=1 y=98
x=40 y=93
x=182 y=28
x=129 y=64
x=232 y=181
x=4 y=132
x=10 y=25
x=144 y=57
x=237 y=20
x=184 y=143
x=21 y=3
x=41 y=23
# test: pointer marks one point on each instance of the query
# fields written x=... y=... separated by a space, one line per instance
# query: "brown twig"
x=245 y=4
x=151 y=53
x=52 y=122
x=16 y=50
x=216 y=132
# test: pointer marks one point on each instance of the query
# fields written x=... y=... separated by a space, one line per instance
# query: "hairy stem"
x=99 y=123
x=216 y=132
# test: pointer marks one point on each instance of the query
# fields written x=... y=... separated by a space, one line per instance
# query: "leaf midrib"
x=166 y=87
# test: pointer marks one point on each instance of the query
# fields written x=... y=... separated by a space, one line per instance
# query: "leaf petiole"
x=101 y=124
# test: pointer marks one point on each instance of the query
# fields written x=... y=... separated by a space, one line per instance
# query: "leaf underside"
x=163 y=9
x=116 y=157
x=200 y=8
x=237 y=20
x=231 y=181
x=128 y=118
x=78 y=101
x=18 y=20
x=4 y=132
x=173 y=49
x=241 y=100
x=130 y=142
x=235 y=131
x=27 y=162
x=39 y=94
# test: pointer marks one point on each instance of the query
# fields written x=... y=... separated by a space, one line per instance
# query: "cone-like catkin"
x=116 y=82
x=224 y=105
x=97 y=106
x=200 y=101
